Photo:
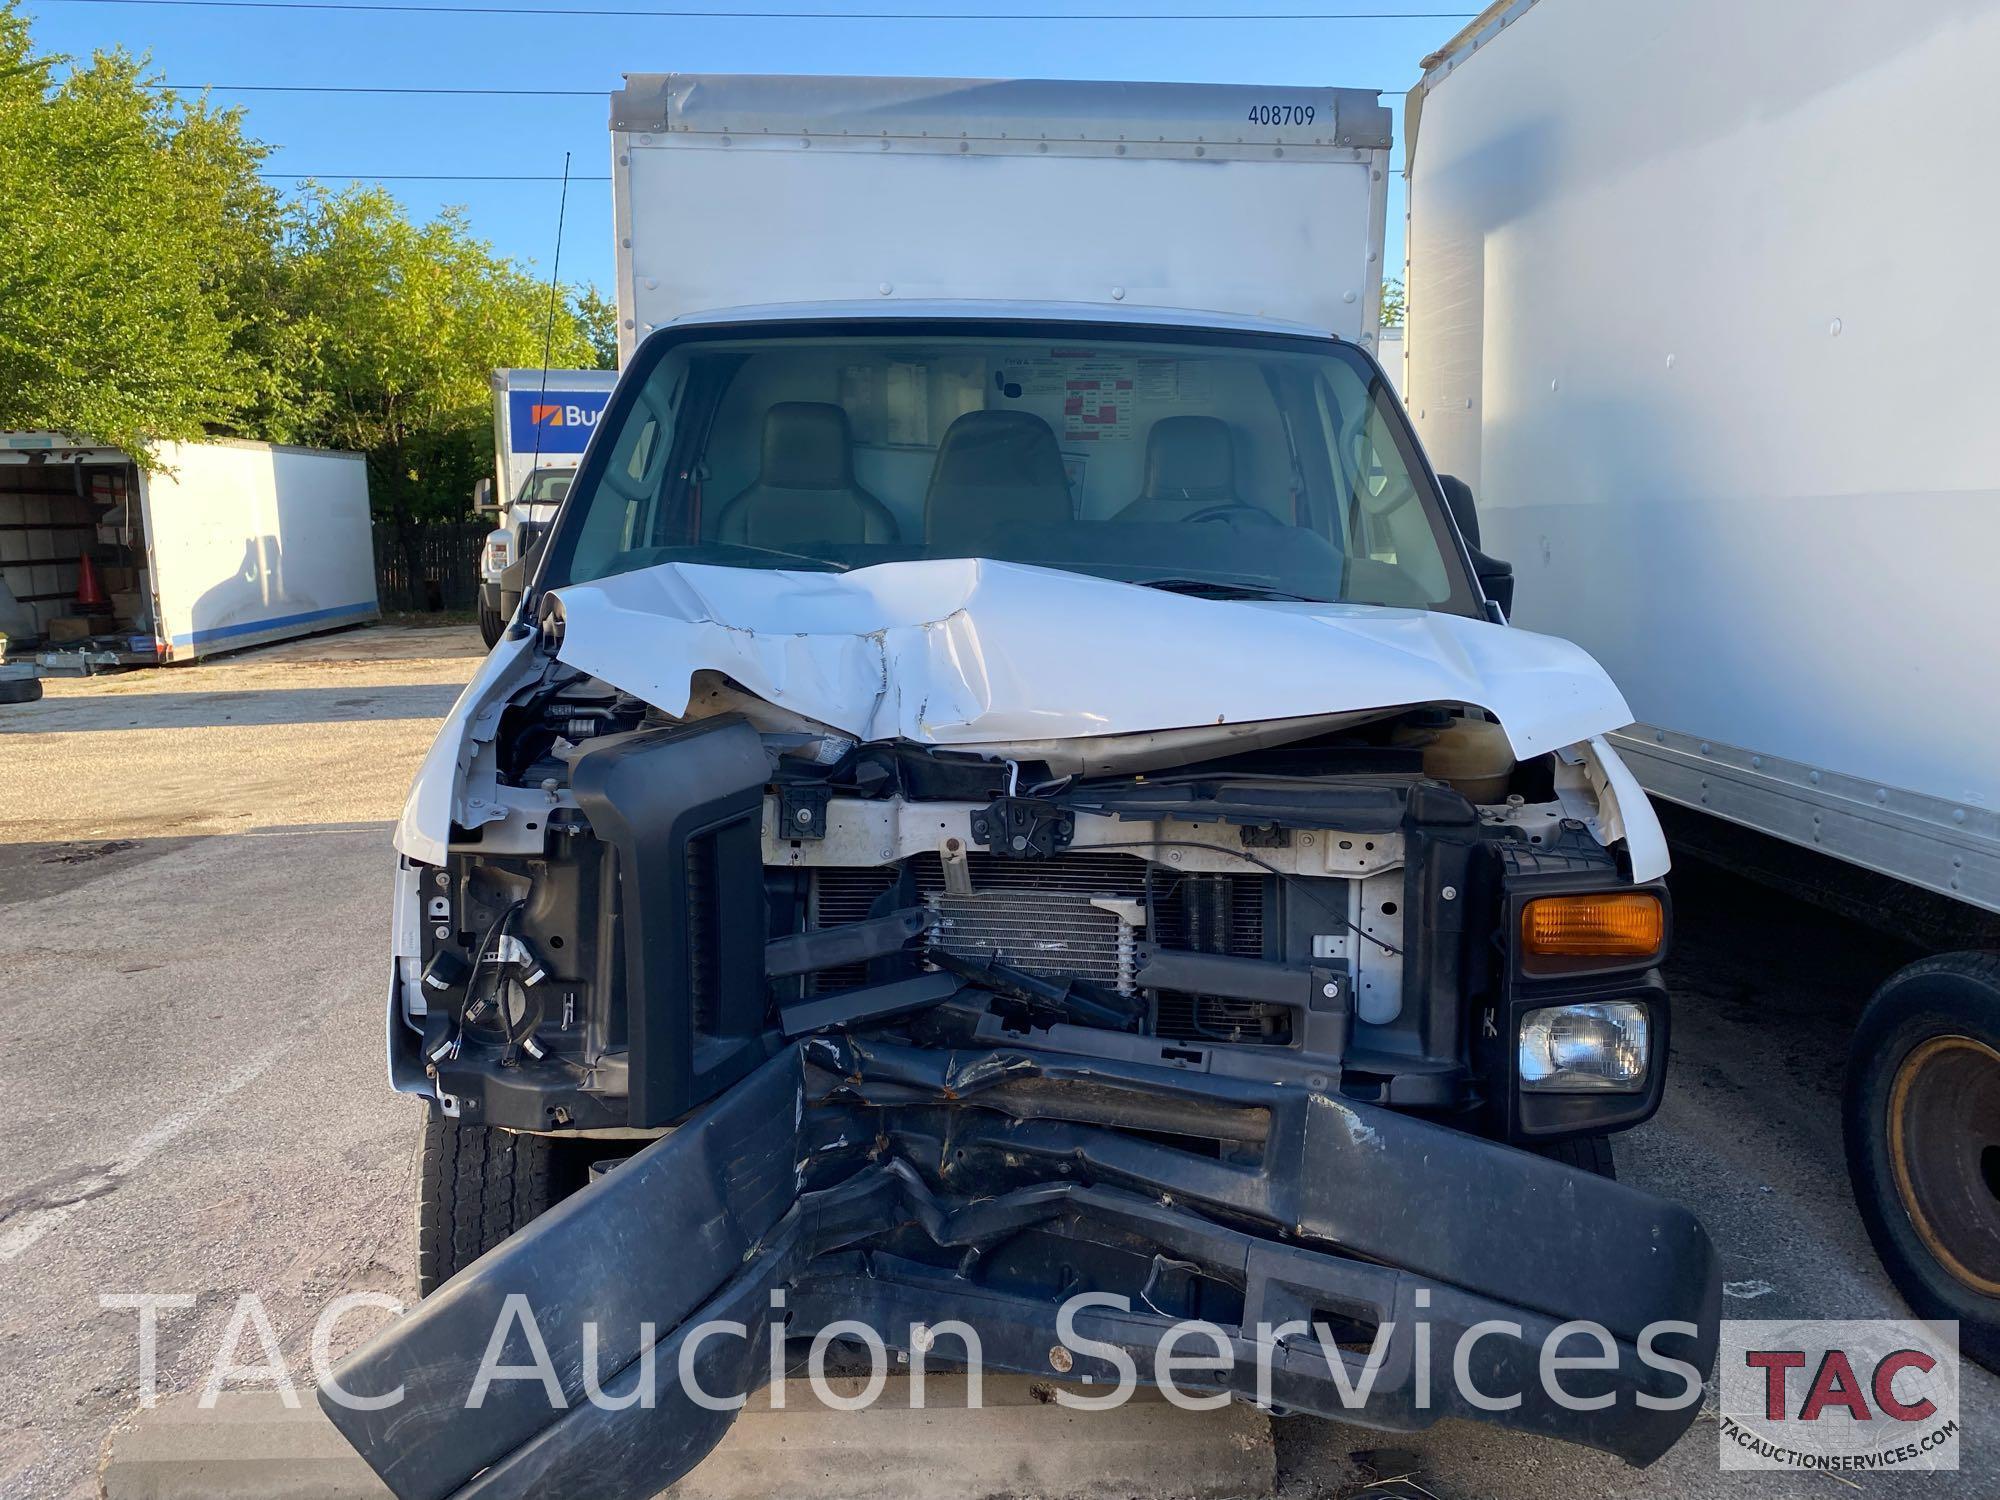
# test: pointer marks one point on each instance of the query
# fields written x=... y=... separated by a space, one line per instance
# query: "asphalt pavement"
x=194 y=882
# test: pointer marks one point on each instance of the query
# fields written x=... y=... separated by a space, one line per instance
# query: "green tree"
x=153 y=286
x=399 y=326
x=598 y=317
x=1394 y=303
x=138 y=248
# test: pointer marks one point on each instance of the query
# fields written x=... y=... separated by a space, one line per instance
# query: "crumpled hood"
x=974 y=653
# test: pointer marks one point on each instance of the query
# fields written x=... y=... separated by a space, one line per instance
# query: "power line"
x=424 y=177
x=332 y=88
x=386 y=6
x=350 y=88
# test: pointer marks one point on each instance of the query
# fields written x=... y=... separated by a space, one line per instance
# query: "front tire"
x=490 y=625
x=1588 y=1153
x=1922 y=1120
x=476 y=1186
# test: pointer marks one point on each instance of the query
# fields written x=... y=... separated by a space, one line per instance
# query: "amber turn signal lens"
x=1612 y=924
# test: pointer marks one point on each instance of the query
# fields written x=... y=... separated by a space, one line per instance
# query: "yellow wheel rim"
x=1944 y=1153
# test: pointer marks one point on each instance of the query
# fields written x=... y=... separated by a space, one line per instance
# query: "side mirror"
x=1458 y=500
x=1496 y=578
x=482 y=497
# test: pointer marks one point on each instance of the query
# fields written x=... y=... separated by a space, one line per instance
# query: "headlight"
x=499 y=551
x=1584 y=1048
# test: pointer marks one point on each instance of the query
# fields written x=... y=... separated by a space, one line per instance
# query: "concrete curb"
x=1020 y=1442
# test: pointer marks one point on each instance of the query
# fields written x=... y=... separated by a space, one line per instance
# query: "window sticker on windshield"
x=1038 y=377
x=1097 y=401
x=1158 y=380
x=1196 y=379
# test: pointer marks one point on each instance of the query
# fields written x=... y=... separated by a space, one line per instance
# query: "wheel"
x=1922 y=1120
x=20 y=689
x=490 y=625
x=476 y=1186
x=1589 y=1153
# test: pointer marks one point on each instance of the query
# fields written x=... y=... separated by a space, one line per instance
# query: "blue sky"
x=338 y=135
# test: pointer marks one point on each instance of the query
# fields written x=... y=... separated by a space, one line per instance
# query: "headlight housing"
x=1599 y=1046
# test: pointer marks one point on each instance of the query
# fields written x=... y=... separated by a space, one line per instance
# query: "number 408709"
x=1281 y=114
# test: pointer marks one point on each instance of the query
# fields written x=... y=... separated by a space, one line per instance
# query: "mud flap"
x=910 y=1186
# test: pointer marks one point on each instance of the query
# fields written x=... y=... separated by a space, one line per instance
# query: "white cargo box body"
x=739 y=191
x=235 y=543
x=1701 y=306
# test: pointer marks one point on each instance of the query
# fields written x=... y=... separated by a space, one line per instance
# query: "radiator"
x=1039 y=915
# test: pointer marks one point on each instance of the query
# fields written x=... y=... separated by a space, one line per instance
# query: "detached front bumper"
x=906 y=1187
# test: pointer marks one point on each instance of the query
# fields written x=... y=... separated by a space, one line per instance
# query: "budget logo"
x=545 y=416
x=1839 y=1396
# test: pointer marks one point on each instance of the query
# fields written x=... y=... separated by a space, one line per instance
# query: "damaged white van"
x=985 y=801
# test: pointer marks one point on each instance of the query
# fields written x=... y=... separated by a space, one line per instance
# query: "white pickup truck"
x=1015 y=782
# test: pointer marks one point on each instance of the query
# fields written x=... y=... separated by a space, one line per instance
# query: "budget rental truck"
x=1010 y=805
x=542 y=420
x=1660 y=320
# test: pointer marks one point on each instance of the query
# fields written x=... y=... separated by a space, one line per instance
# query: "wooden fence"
x=425 y=566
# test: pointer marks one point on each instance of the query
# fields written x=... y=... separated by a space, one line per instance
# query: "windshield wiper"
x=826 y=563
x=1212 y=588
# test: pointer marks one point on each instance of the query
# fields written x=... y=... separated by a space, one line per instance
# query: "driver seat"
x=805 y=490
x=1190 y=468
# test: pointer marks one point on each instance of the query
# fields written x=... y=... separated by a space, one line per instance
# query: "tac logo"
x=1839 y=1395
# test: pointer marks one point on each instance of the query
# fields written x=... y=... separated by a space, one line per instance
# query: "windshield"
x=546 y=486
x=1226 y=465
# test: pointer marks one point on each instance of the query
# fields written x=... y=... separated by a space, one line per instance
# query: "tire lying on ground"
x=476 y=1186
x=1922 y=1119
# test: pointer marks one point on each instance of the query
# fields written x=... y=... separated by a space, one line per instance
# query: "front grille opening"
x=704 y=927
x=1047 y=917
x=1220 y=1018
x=1350 y=1329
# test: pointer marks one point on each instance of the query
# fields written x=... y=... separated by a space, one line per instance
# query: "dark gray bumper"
x=902 y=1186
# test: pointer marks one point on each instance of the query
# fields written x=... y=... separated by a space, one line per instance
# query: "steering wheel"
x=1230 y=508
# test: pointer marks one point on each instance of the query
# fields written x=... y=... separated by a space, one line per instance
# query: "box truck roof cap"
x=1014 y=113
x=1003 y=312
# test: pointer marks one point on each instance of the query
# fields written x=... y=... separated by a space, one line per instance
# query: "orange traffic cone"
x=89 y=587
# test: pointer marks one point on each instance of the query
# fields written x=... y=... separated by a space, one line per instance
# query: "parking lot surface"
x=194 y=882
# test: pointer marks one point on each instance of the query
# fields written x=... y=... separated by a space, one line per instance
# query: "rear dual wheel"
x=1922 y=1118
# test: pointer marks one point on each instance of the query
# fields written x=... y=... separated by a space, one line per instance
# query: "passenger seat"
x=1190 y=468
x=805 y=490
x=994 y=467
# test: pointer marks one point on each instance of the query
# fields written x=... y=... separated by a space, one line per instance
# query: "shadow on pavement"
x=290 y=705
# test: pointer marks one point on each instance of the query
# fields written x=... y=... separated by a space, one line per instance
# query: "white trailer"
x=1258 y=202
x=219 y=546
x=1786 y=557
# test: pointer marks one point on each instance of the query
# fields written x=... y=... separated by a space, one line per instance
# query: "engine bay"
x=653 y=903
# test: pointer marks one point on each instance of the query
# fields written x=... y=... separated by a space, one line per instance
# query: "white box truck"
x=218 y=545
x=542 y=421
x=1008 y=786
x=1661 y=276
